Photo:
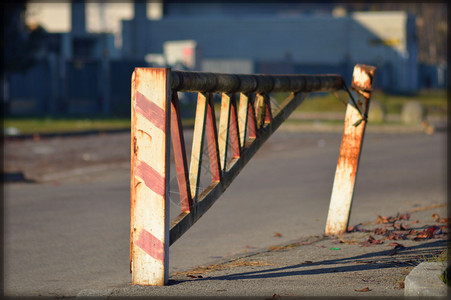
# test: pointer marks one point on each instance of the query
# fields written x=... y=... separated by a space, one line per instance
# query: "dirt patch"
x=241 y=262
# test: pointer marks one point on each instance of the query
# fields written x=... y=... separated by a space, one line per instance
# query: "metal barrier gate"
x=245 y=124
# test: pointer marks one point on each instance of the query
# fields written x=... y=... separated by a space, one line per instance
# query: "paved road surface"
x=65 y=236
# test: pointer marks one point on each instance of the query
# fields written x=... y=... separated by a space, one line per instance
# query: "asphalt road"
x=72 y=234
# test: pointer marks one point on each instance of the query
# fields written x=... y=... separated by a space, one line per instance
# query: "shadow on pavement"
x=363 y=260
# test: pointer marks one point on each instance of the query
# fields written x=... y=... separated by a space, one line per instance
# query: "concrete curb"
x=424 y=280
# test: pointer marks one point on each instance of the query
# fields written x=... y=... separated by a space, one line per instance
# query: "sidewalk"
x=363 y=262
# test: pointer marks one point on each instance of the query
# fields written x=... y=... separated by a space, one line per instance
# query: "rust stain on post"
x=350 y=149
x=149 y=224
x=362 y=79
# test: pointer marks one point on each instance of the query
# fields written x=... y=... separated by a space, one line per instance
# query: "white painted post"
x=150 y=134
x=351 y=145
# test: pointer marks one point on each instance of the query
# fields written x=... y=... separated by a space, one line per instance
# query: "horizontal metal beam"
x=185 y=81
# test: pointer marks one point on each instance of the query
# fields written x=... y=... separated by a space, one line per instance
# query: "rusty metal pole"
x=150 y=134
x=351 y=145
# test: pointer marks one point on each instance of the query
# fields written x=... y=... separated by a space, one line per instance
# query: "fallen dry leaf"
x=435 y=217
x=277 y=234
x=400 y=227
x=372 y=240
x=427 y=234
x=420 y=236
x=433 y=229
x=397 y=236
x=398 y=246
x=405 y=216
x=357 y=228
x=367 y=289
x=382 y=220
x=380 y=231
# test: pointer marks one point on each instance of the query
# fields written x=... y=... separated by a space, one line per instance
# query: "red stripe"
x=251 y=121
x=151 y=245
x=150 y=111
x=212 y=142
x=152 y=179
x=233 y=131
x=178 y=144
x=268 y=117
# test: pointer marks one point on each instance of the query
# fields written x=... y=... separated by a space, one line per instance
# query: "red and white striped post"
x=150 y=125
x=351 y=146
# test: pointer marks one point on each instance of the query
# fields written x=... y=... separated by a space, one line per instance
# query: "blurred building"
x=92 y=48
x=82 y=71
x=327 y=43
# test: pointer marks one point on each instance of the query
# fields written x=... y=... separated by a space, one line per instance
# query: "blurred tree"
x=23 y=46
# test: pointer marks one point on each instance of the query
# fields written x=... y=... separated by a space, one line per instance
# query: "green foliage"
x=442 y=257
x=54 y=125
x=445 y=277
x=42 y=125
x=435 y=101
